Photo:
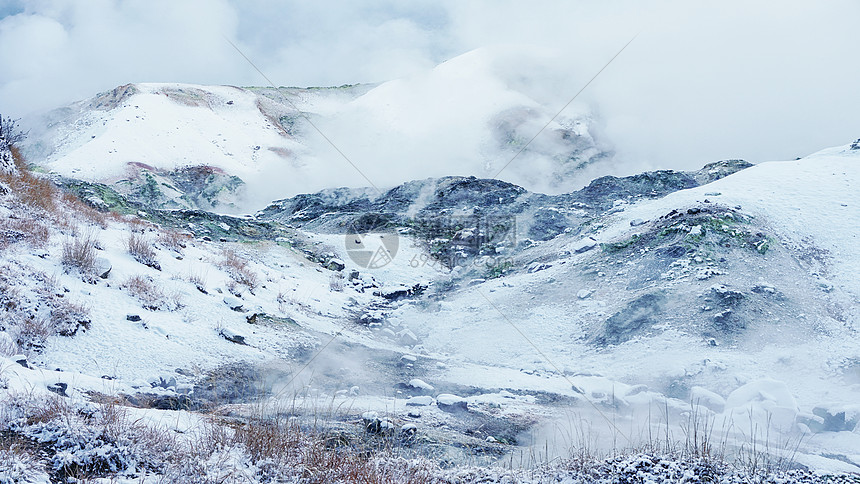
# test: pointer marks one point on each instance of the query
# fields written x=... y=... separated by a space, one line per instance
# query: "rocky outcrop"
x=7 y=164
x=465 y=217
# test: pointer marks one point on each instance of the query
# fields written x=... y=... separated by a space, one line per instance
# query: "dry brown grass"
x=42 y=409
x=173 y=240
x=27 y=229
x=238 y=269
x=80 y=253
x=140 y=247
x=144 y=289
x=282 y=446
x=85 y=211
x=33 y=191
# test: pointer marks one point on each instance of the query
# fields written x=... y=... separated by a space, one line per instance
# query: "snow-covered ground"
x=522 y=350
x=527 y=330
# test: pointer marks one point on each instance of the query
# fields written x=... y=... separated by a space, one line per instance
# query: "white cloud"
x=703 y=81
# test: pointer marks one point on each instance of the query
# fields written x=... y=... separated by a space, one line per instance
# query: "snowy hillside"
x=180 y=146
x=742 y=293
x=450 y=329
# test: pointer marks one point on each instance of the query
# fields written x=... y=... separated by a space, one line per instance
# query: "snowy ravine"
x=624 y=320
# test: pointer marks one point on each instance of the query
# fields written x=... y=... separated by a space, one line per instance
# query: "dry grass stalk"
x=144 y=289
x=80 y=253
x=238 y=269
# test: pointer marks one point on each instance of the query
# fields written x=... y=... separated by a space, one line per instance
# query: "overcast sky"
x=703 y=80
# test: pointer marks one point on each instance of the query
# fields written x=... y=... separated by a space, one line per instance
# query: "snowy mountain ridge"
x=148 y=136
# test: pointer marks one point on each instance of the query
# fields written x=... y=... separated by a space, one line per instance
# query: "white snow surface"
x=812 y=203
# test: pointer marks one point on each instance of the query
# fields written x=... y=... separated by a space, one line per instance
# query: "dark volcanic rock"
x=602 y=193
x=637 y=315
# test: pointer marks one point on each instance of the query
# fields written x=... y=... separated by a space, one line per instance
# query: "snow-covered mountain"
x=235 y=149
x=400 y=282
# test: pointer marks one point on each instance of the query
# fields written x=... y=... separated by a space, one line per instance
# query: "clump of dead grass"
x=237 y=268
x=173 y=240
x=145 y=290
x=140 y=248
x=80 y=253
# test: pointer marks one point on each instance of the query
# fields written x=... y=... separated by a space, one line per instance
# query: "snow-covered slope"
x=468 y=116
x=686 y=306
x=734 y=302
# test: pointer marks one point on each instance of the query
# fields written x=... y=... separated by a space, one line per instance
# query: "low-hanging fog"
x=700 y=82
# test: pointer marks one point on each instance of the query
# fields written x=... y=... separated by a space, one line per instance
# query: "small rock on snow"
x=420 y=384
x=21 y=360
x=103 y=267
x=233 y=336
x=584 y=245
x=407 y=337
x=421 y=401
x=233 y=303
x=59 y=388
x=451 y=403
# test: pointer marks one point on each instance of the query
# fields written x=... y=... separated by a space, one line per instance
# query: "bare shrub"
x=140 y=248
x=170 y=239
x=176 y=300
x=67 y=317
x=33 y=333
x=198 y=281
x=282 y=301
x=238 y=269
x=144 y=289
x=8 y=347
x=80 y=253
x=9 y=294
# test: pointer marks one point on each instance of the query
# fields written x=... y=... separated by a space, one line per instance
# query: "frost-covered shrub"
x=80 y=253
x=67 y=318
x=141 y=250
x=32 y=334
x=238 y=269
x=18 y=466
x=87 y=440
x=335 y=282
x=144 y=289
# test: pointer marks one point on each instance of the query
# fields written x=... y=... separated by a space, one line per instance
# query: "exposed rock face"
x=195 y=187
x=333 y=210
x=7 y=163
x=464 y=217
x=638 y=315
